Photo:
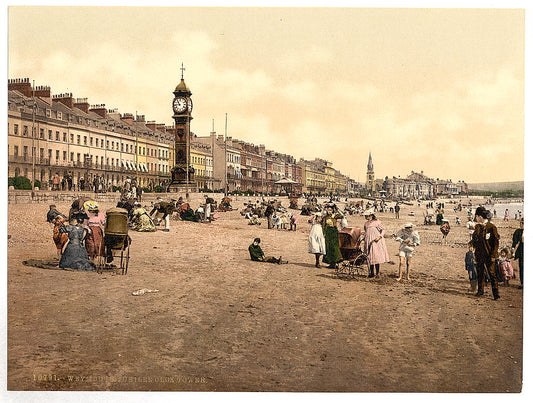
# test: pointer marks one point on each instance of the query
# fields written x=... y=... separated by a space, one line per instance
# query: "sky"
x=423 y=89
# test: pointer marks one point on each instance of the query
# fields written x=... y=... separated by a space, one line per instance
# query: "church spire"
x=370 y=165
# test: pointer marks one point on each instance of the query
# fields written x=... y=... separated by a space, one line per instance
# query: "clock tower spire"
x=182 y=172
x=370 y=181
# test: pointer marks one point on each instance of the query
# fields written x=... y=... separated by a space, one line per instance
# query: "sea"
x=514 y=208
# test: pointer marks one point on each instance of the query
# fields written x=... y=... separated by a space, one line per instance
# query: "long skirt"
x=75 y=257
x=317 y=243
x=333 y=252
x=94 y=243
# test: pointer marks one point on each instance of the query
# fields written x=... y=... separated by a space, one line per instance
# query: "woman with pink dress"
x=375 y=247
x=94 y=242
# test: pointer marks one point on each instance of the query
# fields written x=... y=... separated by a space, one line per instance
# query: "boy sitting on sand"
x=257 y=255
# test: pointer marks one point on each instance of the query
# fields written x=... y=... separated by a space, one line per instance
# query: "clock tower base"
x=180 y=181
x=181 y=188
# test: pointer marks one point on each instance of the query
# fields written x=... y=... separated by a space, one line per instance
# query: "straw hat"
x=368 y=212
x=91 y=205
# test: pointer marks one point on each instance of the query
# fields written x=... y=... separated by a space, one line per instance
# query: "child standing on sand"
x=505 y=267
x=470 y=267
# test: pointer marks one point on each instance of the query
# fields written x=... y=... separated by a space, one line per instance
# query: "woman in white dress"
x=317 y=243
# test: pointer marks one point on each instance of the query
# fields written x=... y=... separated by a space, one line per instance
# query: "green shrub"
x=19 y=182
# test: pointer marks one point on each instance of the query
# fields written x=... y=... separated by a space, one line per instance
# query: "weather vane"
x=182 y=70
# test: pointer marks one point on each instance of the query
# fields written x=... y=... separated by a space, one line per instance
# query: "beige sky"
x=438 y=90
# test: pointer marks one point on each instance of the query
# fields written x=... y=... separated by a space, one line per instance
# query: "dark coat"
x=486 y=241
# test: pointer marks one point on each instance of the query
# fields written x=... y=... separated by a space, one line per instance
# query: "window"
x=49 y=134
x=78 y=157
x=60 y=115
x=97 y=142
x=25 y=131
x=112 y=146
x=64 y=155
x=64 y=137
x=85 y=140
x=57 y=136
x=57 y=155
x=25 y=151
x=16 y=129
x=41 y=153
x=122 y=147
x=79 y=139
x=41 y=133
x=16 y=151
x=91 y=141
x=50 y=155
x=72 y=156
x=107 y=144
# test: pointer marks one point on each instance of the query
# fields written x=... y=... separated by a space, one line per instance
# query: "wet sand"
x=220 y=322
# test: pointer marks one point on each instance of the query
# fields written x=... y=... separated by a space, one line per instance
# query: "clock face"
x=179 y=105
x=189 y=105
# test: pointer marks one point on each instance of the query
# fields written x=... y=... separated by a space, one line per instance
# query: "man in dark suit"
x=486 y=241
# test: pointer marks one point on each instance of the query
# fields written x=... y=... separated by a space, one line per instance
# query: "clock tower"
x=182 y=173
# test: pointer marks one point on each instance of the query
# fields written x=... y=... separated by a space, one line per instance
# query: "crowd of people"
x=485 y=261
x=79 y=237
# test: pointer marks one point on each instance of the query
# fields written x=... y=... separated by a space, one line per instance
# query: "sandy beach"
x=220 y=322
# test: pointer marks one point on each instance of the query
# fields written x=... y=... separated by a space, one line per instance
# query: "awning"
x=123 y=163
x=286 y=181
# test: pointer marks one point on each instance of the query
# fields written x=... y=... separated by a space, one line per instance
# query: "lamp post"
x=34 y=106
x=226 y=187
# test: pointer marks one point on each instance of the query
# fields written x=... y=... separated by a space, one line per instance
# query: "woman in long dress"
x=317 y=243
x=375 y=247
x=331 y=235
x=75 y=256
x=142 y=222
x=94 y=241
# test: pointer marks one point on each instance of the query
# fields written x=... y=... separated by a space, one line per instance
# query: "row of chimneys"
x=24 y=86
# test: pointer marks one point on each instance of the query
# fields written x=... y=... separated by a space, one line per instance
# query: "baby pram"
x=116 y=240
x=355 y=262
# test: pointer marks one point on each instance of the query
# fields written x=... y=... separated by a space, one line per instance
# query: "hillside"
x=497 y=186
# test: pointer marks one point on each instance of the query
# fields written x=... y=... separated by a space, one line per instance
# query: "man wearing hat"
x=163 y=209
x=408 y=239
x=486 y=241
